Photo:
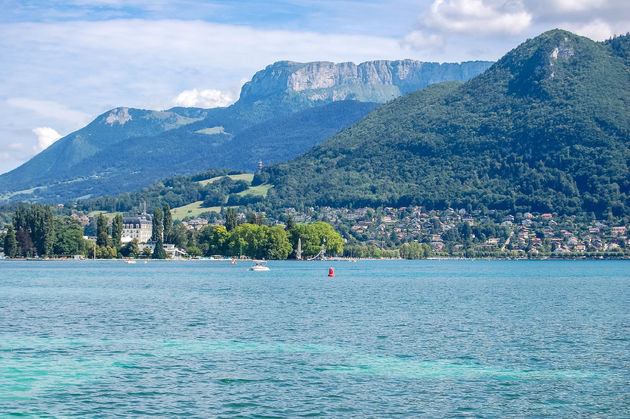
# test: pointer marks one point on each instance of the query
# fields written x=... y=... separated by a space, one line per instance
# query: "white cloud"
x=597 y=30
x=477 y=17
x=486 y=29
x=65 y=73
x=575 y=5
x=61 y=74
x=596 y=19
x=615 y=13
x=46 y=136
x=208 y=98
x=49 y=109
x=418 y=40
x=141 y=63
x=4 y=156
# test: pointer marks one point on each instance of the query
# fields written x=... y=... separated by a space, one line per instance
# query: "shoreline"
x=333 y=259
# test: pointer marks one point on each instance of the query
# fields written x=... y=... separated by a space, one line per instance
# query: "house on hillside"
x=195 y=224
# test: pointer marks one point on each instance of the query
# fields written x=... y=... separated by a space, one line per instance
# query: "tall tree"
x=277 y=245
x=231 y=219
x=179 y=236
x=158 y=250
x=49 y=231
x=34 y=229
x=252 y=218
x=25 y=243
x=158 y=227
x=465 y=231
x=20 y=218
x=102 y=238
x=213 y=240
x=247 y=239
x=69 y=242
x=10 y=243
x=314 y=235
x=90 y=229
x=37 y=228
x=117 y=228
x=168 y=224
x=131 y=249
x=290 y=223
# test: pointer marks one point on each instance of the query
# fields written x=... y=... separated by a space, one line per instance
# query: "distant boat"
x=259 y=266
x=130 y=261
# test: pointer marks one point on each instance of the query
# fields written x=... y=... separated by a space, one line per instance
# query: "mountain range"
x=546 y=128
x=285 y=110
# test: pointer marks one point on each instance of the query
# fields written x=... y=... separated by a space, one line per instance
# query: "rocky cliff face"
x=371 y=81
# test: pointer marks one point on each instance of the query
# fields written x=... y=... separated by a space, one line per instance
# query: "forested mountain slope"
x=546 y=128
x=125 y=149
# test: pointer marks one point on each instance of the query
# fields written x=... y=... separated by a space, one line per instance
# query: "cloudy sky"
x=66 y=62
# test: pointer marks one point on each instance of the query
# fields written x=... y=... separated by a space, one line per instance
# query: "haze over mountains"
x=283 y=111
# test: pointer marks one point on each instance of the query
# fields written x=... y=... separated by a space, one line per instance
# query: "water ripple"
x=429 y=338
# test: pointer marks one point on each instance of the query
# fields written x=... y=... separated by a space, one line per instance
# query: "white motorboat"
x=259 y=266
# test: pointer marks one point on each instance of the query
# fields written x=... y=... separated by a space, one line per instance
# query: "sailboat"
x=298 y=251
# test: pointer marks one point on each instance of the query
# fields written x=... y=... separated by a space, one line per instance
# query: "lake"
x=433 y=338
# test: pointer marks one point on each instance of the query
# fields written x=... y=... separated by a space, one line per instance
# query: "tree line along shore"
x=37 y=231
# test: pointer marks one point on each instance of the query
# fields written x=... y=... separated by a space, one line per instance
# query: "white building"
x=139 y=227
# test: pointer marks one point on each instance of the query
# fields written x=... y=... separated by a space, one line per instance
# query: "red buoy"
x=331 y=271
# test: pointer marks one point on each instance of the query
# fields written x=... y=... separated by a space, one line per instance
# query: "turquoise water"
x=382 y=338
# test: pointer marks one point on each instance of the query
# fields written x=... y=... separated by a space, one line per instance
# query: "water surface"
x=382 y=338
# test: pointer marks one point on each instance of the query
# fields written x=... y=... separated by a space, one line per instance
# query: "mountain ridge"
x=545 y=128
x=69 y=160
x=324 y=80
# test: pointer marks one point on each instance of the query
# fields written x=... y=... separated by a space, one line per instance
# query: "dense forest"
x=544 y=129
x=35 y=231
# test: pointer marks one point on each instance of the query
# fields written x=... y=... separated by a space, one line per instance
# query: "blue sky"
x=343 y=16
x=66 y=62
